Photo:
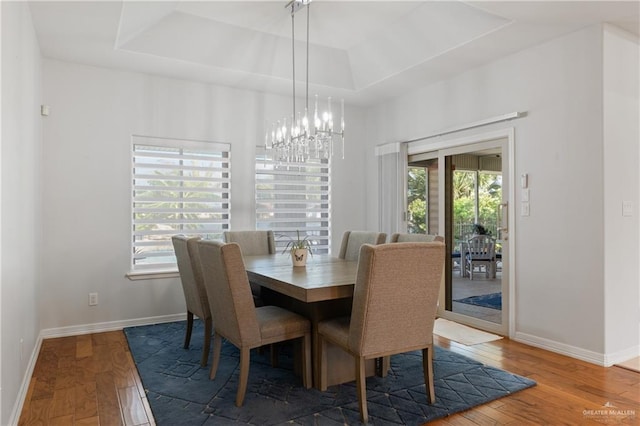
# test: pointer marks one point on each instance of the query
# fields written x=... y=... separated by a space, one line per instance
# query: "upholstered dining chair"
x=396 y=288
x=415 y=238
x=195 y=296
x=410 y=238
x=253 y=243
x=238 y=320
x=352 y=240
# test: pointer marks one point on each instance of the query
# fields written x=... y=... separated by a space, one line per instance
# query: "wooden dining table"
x=323 y=278
x=320 y=290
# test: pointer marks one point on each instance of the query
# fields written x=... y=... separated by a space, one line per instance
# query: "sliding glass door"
x=461 y=193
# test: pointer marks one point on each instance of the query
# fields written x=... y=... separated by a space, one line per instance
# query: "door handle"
x=504 y=220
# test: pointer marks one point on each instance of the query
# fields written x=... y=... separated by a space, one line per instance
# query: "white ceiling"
x=362 y=51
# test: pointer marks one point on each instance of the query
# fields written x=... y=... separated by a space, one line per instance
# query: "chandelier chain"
x=293 y=55
x=303 y=137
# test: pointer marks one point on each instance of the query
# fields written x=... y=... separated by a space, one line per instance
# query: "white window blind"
x=294 y=197
x=179 y=187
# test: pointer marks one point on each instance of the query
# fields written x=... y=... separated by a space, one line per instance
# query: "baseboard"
x=24 y=387
x=77 y=330
x=561 y=348
x=621 y=356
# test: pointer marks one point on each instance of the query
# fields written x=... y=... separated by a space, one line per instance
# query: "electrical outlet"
x=93 y=299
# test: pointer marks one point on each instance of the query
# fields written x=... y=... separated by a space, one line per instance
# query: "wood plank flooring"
x=86 y=380
x=92 y=380
x=568 y=391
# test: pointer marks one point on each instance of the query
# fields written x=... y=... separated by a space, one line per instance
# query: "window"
x=294 y=197
x=179 y=187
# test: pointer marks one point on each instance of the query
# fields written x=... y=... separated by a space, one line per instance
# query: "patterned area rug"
x=493 y=300
x=180 y=392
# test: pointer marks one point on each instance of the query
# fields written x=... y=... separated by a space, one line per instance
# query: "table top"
x=324 y=277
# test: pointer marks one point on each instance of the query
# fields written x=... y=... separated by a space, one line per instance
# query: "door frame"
x=508 y=300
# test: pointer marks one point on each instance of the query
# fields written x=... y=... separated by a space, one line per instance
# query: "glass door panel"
x=476 y=196
x=422 y=197
x=459 y=193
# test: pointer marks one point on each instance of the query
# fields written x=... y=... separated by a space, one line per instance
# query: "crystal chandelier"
x=301 y=137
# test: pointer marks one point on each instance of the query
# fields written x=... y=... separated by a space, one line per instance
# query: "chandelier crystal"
x=301 y=137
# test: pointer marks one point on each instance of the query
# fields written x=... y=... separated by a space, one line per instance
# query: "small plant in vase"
x=299 y=248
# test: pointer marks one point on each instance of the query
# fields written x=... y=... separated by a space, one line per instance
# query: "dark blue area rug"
x=493 y=301
x=180 y=392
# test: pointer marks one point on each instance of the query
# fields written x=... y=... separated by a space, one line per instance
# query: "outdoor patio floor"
x=464 y=287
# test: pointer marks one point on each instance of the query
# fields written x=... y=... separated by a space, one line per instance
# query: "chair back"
x=353 y=240
x=225 y=278
x=481 y=247
x=415 y=238
x=252 y=243
x=195 y=295
x=395 y=297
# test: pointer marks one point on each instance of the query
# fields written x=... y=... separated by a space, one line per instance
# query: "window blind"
x=294 y=197
x=179 y=187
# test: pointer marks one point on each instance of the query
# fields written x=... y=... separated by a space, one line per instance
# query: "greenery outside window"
x=477 y=195
x=178 y=187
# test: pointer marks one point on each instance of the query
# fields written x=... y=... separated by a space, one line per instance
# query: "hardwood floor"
x=568 y=391
x=86 y=380
x=91 y=380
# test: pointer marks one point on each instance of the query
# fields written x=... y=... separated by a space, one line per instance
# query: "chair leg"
x=361 y=385
x=217 y=346
x=385 y=365
x=307 y=378
x=208 y=325
x=427 y=366
x=273 y=353
x=245 y=355
x=187 y=337
x=322 y=363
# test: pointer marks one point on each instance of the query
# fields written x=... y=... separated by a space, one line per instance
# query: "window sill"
x=152 y=275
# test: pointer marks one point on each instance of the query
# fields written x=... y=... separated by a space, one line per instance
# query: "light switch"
x=524 y=208
x=627 y=208
x=525 y=194
x=524 y=180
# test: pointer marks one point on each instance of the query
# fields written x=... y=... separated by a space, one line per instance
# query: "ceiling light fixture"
x=301 y=137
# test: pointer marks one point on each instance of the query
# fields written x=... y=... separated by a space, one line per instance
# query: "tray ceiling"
x=363 y=51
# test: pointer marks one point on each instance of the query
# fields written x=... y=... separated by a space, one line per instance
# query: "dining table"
x=320 y=290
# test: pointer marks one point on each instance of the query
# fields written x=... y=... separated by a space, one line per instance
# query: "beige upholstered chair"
x=238 y=320
x=352 y=240
x=415 y=238
x=195 y=296
x=253 y=243
x=379 y=310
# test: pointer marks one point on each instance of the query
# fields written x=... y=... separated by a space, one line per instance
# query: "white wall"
x=20 y=197
x=87 y=190
x=559 y=262
x=621 y=183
